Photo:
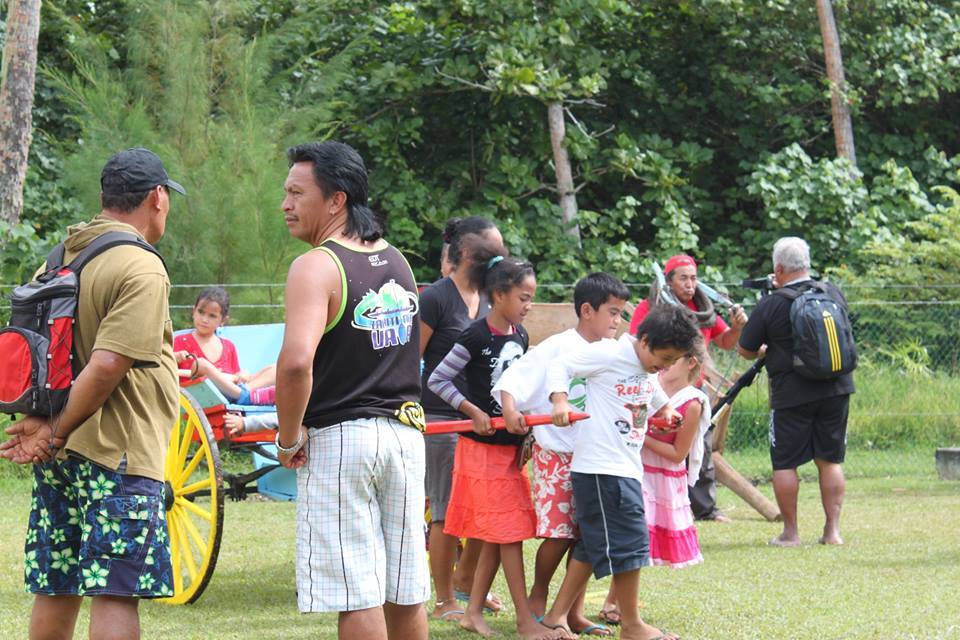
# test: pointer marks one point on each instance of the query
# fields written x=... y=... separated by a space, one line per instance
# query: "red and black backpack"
x=37 y=367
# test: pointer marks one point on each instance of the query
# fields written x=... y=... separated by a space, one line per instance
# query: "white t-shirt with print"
x=607 y=442
x=526 y=381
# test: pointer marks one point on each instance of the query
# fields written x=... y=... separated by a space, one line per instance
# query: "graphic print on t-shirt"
x=387 y=314
x=577 y=395
x=509 y=353
x=638 y=390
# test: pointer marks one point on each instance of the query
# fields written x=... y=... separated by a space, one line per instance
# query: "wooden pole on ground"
x=721 y=423
x=732 y=480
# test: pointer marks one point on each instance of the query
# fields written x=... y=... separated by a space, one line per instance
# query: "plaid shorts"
x=360 y=530
x=94 y=531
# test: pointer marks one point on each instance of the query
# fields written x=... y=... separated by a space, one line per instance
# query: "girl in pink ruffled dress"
x=673 y=536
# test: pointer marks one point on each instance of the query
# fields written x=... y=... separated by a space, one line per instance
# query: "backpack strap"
x=107 y=241
x=789 y=294
x=55 y=257
x=792 y=294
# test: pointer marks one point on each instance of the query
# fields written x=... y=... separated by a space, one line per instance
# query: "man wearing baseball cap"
x=97 y=525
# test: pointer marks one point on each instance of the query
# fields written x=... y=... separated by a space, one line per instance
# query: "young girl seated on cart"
x=203 y=353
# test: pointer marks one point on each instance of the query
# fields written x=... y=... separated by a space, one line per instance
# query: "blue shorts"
x=244 y=395
x=613 y=530
x=94 y=531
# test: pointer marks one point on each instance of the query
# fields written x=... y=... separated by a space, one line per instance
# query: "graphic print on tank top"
x=367 y=363
x=387 y=314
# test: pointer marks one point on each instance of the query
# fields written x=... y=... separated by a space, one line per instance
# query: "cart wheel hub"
x=168 y=497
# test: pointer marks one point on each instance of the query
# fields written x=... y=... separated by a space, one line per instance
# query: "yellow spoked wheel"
x=194 y=502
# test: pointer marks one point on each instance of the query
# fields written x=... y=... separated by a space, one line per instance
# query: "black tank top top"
x=368 y=361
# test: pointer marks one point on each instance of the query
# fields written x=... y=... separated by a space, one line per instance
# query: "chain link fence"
x=908 y=384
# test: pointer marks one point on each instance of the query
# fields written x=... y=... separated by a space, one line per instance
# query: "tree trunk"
x=16 y=102
x=561 y=163
x=842 y=125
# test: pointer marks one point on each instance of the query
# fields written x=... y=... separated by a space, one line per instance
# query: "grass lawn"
x=897 y=577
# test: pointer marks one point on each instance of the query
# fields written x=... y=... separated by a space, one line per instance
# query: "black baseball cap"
x=135 y=170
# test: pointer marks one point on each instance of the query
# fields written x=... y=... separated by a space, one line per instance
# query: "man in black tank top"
x=348 y=388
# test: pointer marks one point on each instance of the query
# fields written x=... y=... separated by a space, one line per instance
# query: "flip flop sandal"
x=464 y=596
x=589 y=630
x=453 y=612
x=610 y=616
x=560 y=627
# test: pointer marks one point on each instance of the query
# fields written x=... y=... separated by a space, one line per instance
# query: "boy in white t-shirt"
x=607 y=472
x=598 y=300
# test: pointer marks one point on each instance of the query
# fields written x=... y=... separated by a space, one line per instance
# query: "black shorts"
x=613 y=527
x=815 y=430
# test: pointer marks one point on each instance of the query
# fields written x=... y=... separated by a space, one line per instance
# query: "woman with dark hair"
x=447 y=307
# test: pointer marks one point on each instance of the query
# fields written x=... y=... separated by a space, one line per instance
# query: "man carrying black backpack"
x=809 y=357
x=97 y=526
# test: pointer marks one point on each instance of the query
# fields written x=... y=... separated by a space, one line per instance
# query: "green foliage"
x=909 y=51
x=700 y=125
x=205 y=97
x=909 y=356
x=23 y=251
x=918 y=263
x=829 y=202
x=820 y=199
x=928 y=249
x=48 y=203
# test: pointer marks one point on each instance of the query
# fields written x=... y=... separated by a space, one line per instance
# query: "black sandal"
x=610 y=616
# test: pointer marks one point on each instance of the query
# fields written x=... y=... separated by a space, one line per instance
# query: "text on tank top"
x=368 y=362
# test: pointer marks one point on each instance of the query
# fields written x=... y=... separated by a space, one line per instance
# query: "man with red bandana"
x=681 y=275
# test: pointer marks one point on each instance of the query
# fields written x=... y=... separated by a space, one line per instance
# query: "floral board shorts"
x=94 y=531
x=553 y=494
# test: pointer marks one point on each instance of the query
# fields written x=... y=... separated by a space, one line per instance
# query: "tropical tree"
x=694 y=125
x=842 y=124
x=17 y=76
x=203 y=94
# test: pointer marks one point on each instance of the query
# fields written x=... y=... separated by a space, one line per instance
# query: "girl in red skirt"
x=490 y=498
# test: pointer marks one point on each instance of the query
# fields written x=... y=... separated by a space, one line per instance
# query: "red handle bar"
x=462 y=426
x=662 y=423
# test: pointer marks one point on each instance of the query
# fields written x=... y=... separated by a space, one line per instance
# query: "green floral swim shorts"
x=94 y=531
